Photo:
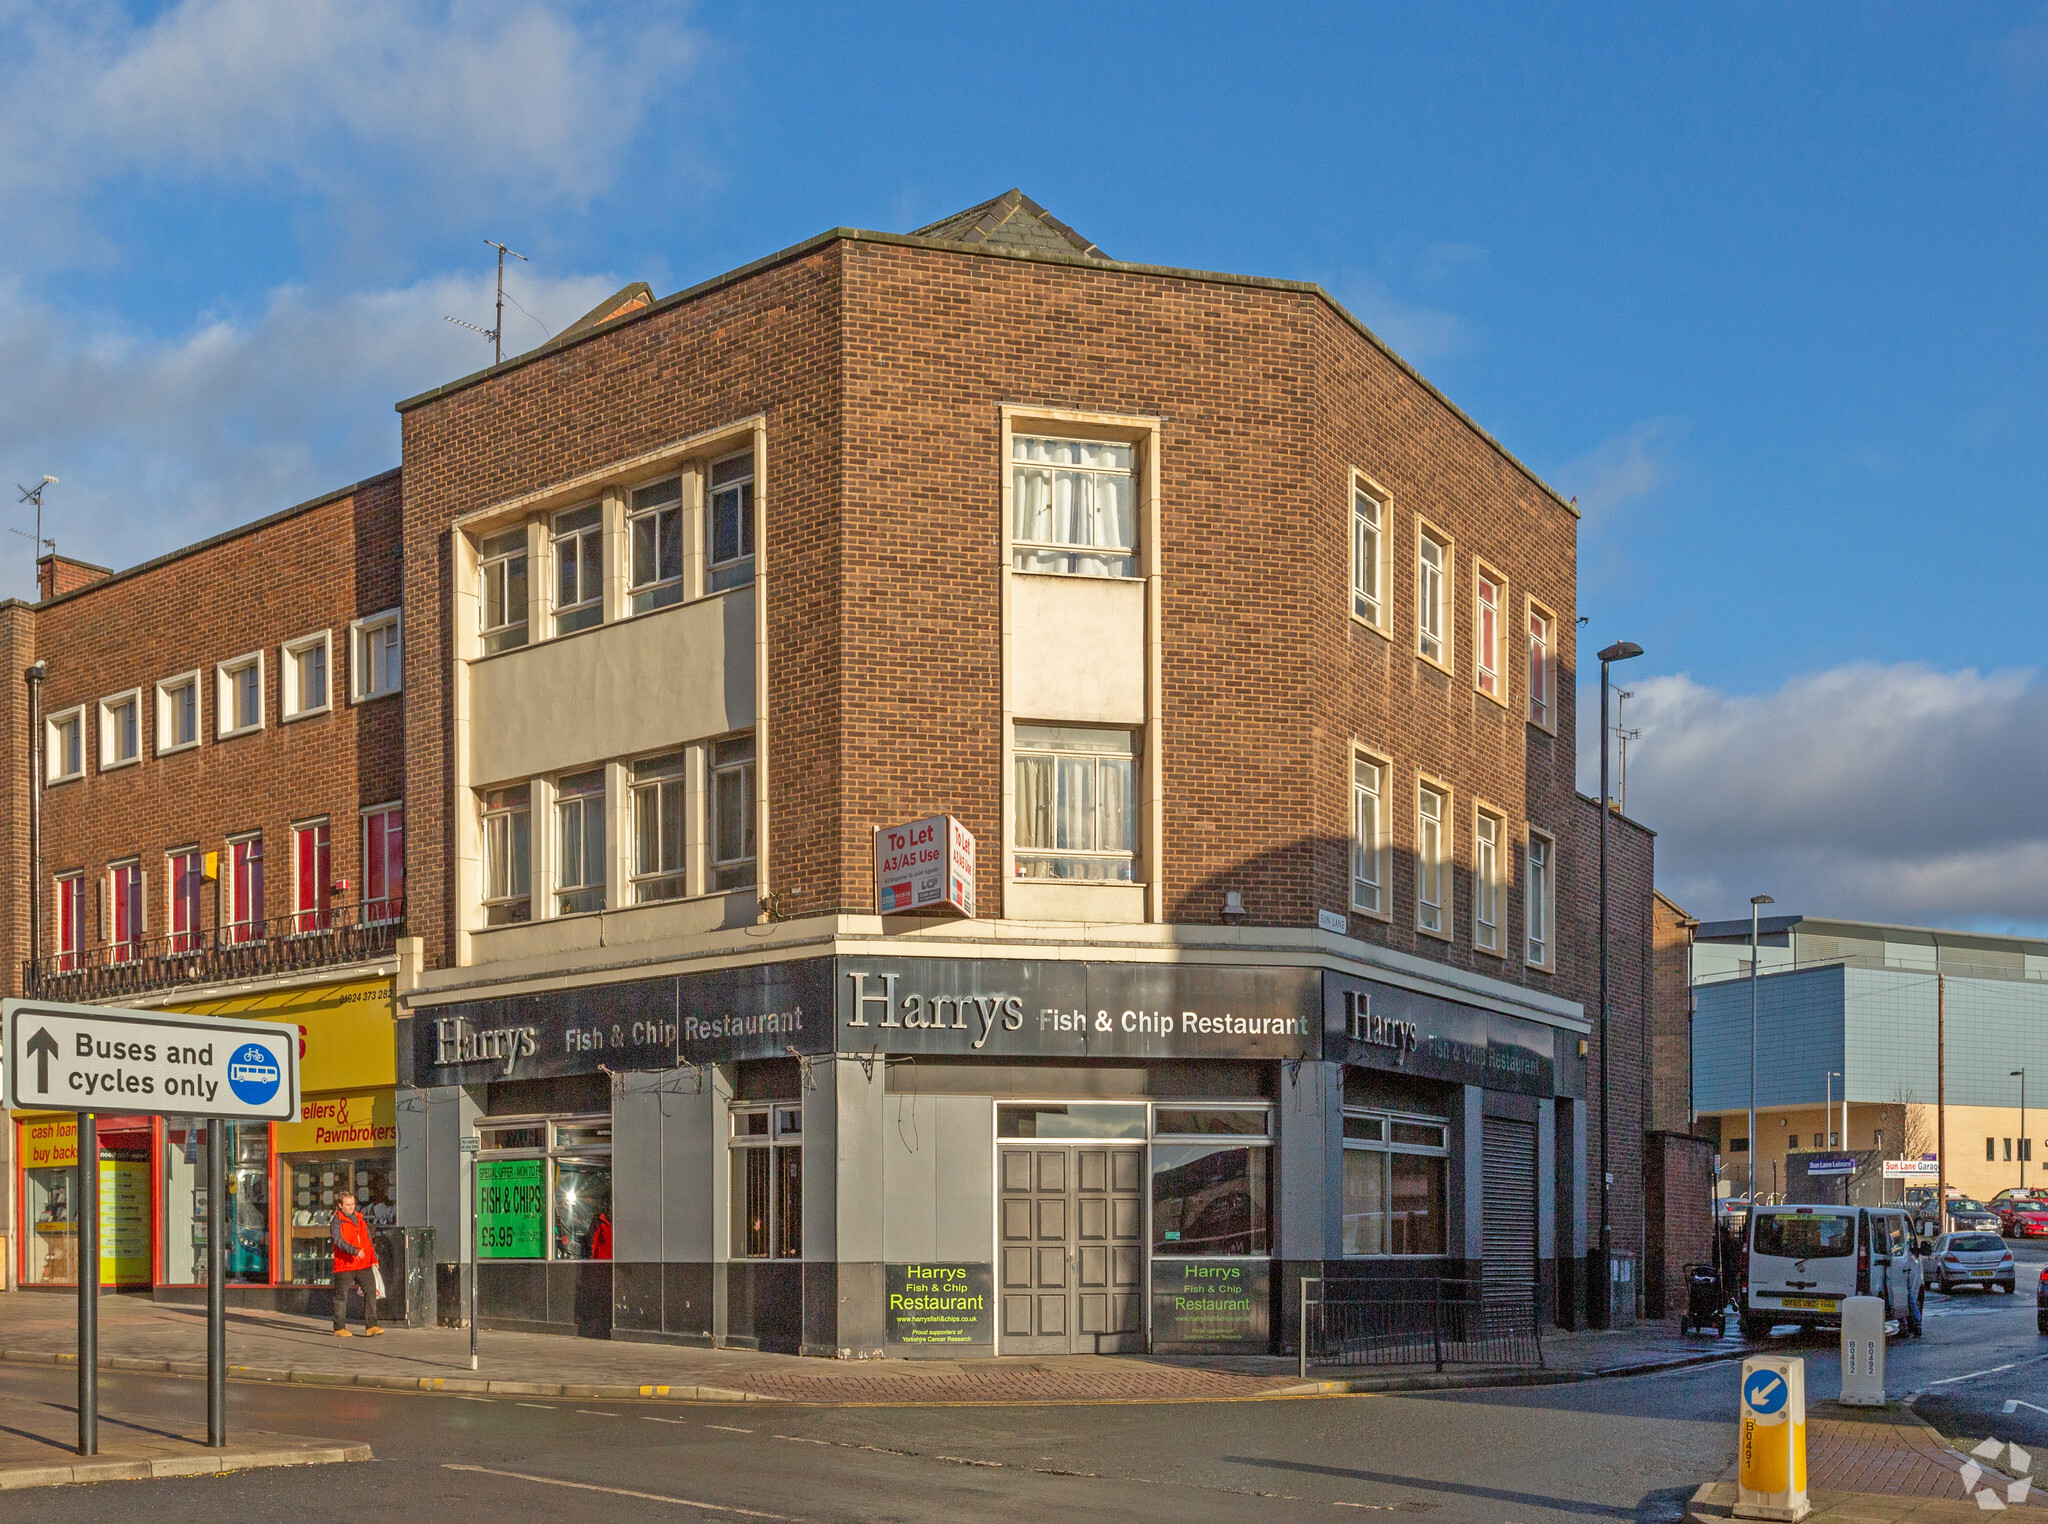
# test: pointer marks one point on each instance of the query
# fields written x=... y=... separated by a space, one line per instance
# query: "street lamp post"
x=1755 y=902
x=1621 y=650
x=2020 y=1074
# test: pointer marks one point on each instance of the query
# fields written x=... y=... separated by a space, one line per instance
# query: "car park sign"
x=102 y=1059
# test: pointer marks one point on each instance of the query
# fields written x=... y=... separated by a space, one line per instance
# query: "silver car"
x=1972 y=1259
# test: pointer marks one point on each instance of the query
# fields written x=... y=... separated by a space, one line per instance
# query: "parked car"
x=1803 y=1260
x=1967 y=1216
x=2021 y=1214
x=1971 y=1259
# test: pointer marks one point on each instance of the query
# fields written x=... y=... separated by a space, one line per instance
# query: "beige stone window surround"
x=1492 y=649
x=1380 y=853
x=64 y=731
x=168 y=695
x=119 y=713
x=1372 y=608
x=291 y=700
x=1490 y=881
x=229 y=716
x=1435 y=866
x=1540 y=688
x=1539 y=901
x=367 y=644
x=1436 y=612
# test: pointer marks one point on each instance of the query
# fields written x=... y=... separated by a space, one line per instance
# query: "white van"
x=1803 y=1260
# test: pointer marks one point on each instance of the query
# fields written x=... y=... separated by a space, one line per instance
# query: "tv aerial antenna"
x=35 y=495
x=495 y=335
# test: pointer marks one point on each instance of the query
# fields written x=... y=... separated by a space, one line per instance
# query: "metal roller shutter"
x=1508 y=1211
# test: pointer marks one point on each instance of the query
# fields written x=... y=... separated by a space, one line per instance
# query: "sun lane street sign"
x=94 y=1058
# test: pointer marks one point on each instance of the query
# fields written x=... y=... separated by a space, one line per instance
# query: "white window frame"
x=363 y=818
x=1378 y=852
x=110 y=937
x=237 y=913
x=290 y=699
x=1435 y=613
x=1134 y=473
x=744 y=872
x=1540 y=678
x=495 y=856
x=642 y=882
x=360 y=670
x=166 y=692
x=1539 y=904
x=1379 y=616
x=1060 y=756
x=734 y=570
x=652 y=592
x=53 y=725
x=557 y=538
x=588 y=805
x=1433 y=873
x=191 y=938
x=1490 y=656
x=108 y=761
x=224 y=695
x=1384 y=1147
x=489 y=565
x=1489 y=881
x=75 y=879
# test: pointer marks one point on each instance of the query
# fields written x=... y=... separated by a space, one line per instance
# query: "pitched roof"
x=628 y=298
x=1011 y=221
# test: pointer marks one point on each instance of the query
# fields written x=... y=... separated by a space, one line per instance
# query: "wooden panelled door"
x=1071 y=1219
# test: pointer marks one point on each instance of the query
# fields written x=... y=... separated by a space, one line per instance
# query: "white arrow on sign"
x=97 y=1058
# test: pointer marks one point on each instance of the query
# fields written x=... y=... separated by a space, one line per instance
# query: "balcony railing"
x=286 y=944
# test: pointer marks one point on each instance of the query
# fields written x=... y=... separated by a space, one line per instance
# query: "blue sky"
x=1763 y=286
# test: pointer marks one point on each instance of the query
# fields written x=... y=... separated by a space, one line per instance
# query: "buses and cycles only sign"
x=97 y=1058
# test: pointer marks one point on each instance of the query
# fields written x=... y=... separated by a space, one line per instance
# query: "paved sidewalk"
x=137 y=1334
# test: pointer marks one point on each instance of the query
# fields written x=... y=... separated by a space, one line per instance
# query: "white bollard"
x=1863 y=1351
x=1771 y=1449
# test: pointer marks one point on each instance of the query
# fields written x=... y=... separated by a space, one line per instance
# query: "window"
x=377 y=664
x=70 y=902
x=1077 y=803
x=1488 y=635
x=1487 y=830
x=579 y=842
x=1792 y=1142
x=1212 y=1181
x=245 y=889
x=1542 y=669
x=239 y=702
x=177 y=713
x=1432 y=861
x=1368 y=554
x=659 y=806
x=310 y=880
x=1540 y=898
x=64 y=742
x=732 y=813
x=121 y=730
x=1990 y=1154
x=1739 y=1146
x=305 y=675
x=732 y=521
x=188 y=884
x=655 y=529
x=579 y=568
x=384 y=863
x=544 y=1188
x=508 y=855
x=1073 y=507
x=124 y=895
x=768 y=1181
x=502 y=605
x=1368 y=835
x=1394 y=1184
x=1432 y=597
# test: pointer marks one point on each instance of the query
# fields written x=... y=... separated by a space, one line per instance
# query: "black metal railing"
x=1432 y=1324
x=283 y=944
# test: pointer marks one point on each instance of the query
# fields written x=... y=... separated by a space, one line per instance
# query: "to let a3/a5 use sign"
x=103 y=1059
x=927 y=864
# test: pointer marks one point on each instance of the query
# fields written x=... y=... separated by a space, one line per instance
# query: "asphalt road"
x=1618 y=1449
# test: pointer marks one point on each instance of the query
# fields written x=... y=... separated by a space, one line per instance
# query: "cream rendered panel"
x=540 y=865
x=617 y=556
x=620 y=690
x=764 y=890
x=618 y=821
x=1077 y=649
x=465 y=833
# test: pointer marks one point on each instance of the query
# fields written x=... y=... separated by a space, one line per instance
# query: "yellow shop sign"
x=346 y=1039
x=330 y=1122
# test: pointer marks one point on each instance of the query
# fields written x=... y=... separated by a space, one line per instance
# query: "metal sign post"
x=87 y=1058
x=469 y=1147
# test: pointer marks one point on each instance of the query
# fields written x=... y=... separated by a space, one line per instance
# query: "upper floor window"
x=377 y=660
x=177 y=713
x=502 y=606
x=1539 y=896
x=1432 y=860
x=1432 y=597
x=732 y=814
x=659 y=806
x=508 y=855
x=731 y=530
x=384 y=863
x=1487 y=829
x=1541 y=667
x=188 y=886
x=579 y=568
x=70 y=905
x=240 y=700
x=124 y=892
x=579 y=853
x=1073 y=507
x=1368 y=556
x=1488 y=635
x=1077 y=803
x=120 y=730
x=1368 y=835
x=305 y=675
x=64 y=744
x=245 y=889
x=655 y=529
x=311 y=883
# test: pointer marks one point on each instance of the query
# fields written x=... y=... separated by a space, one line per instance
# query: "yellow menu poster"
x=124 y=1222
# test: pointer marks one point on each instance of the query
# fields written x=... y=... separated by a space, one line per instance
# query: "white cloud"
x=1888 y=793
x=1623 y=468
x=1418 y=333
x=159 y=443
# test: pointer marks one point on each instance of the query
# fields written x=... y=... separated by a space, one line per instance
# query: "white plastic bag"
x=377 y=1280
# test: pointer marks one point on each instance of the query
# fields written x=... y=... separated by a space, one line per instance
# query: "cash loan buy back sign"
x=925 y=865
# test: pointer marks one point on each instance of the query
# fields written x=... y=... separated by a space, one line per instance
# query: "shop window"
x=544 y=1188
x=313 y=1184
x=188 y=883
x=508 y=855
x=659 y=809
x=1073 y=507
x=579 y=568
x=245 y=1215
x=767 y=1181
x=579 y=842
x=49 y=1255
x=384 y=863
x=1077 y=803
x=311 y=858
x=502 y=608
x=655 y=529
x=732 y=813
x=1395 y=1174
x=124 y=892
x=731 y=529
x=1079 y=1119
x=1212 y=1197
x=245 y=889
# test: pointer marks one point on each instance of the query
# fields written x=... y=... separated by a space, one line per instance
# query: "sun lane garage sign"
x=92 y=1058
x=925 y=865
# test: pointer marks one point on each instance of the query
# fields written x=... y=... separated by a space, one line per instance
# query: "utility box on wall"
x=1621 y=1288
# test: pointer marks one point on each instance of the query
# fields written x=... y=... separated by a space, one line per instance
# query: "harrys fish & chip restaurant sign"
x=93 y=1058
x=929 y=1304
x=927 y=864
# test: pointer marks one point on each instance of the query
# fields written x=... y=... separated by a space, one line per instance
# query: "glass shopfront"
x=544 y=1188
x=246 y=1211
